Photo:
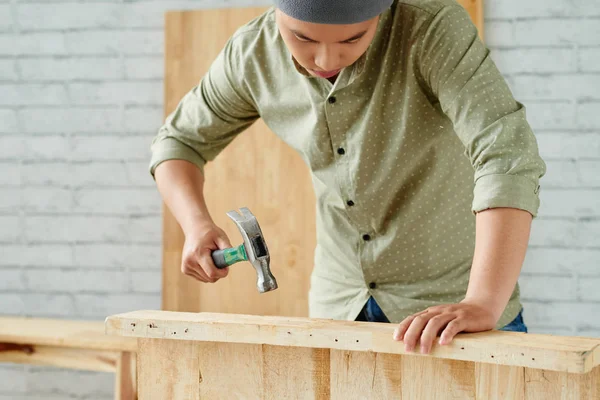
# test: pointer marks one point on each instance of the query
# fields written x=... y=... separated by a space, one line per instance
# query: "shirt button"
x=332 y=100
x=350 y=203
x=341 y=151
x=373 y=285
x=366 y=238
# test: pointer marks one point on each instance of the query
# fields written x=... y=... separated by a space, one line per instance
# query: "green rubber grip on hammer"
x=227 y=257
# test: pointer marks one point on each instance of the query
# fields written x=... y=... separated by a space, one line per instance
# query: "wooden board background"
x=270 y=178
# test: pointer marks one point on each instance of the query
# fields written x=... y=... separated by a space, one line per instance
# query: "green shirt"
x=411 y=140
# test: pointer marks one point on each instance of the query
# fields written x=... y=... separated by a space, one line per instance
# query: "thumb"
x=223 y=242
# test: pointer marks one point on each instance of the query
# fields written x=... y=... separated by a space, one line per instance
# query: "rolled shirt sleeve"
x=459 y=74
x=209 y=116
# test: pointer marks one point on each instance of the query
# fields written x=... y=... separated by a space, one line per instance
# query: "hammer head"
x=256 y=248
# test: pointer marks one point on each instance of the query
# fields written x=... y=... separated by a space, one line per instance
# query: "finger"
x=196 y=268
x=189 y=270
x=433 y=327
x=197 y=276
x=208 y=265
x=403 y=326
x=223 y=242
x=413 y=333
x=198 y=262
x=454 y=327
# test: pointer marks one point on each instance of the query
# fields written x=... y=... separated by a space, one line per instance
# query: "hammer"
x=254 y=249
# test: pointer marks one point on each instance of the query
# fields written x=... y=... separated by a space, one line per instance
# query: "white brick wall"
x=81 y=97
x=549 y=53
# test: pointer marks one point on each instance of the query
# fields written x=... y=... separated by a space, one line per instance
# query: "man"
x=425 y=169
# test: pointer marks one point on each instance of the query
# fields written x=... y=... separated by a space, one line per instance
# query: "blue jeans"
x=371 y=312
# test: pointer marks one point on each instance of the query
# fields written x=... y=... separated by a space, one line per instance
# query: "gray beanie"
x=333 y=11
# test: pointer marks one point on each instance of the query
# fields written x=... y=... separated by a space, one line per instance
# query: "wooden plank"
x=61 y=333
x=365 y=375
x=179 y=292
x=430 y=378
x=168 y=369
x=246 y=371
x=231 y=371
x=193 y=40
x=64 y=357
x=475 y=10
x=543 y=385
x=499 y=382
x=567 y=354
x=296 y=372
x=126 y=377
x=349 y=372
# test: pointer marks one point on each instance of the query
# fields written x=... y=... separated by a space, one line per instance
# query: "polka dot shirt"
x=407 y=144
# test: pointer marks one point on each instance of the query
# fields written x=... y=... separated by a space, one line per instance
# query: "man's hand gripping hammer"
x=254 y=249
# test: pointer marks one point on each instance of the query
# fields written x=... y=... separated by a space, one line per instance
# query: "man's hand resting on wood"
x=444 y=320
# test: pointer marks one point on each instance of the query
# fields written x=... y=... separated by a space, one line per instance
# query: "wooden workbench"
x=229 y=356
x=81 y=345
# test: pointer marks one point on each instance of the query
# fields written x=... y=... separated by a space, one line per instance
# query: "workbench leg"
x=126 y=377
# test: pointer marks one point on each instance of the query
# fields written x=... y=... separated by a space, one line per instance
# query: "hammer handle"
x=225 y=258
x=219 y=259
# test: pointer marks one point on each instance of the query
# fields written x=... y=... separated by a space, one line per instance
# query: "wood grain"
x=230 y=370
x=126 y=377
x=72 y=344
x=296 y=373
x=245 y=371
x=475 y=9
x=63 y=357
x=179 y=292
x=61 y=333
x=168 y=369
x=437 y=379
x=276 y=188
x=542 y=385
x=499 y=382
x=365 y=375
x=565 y=354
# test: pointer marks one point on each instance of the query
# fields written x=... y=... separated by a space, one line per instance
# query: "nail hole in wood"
x=186 y=331
x=462 y=348
x=533 y=359
x=336 y=340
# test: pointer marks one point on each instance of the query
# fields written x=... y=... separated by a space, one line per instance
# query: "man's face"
x=323 y=50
